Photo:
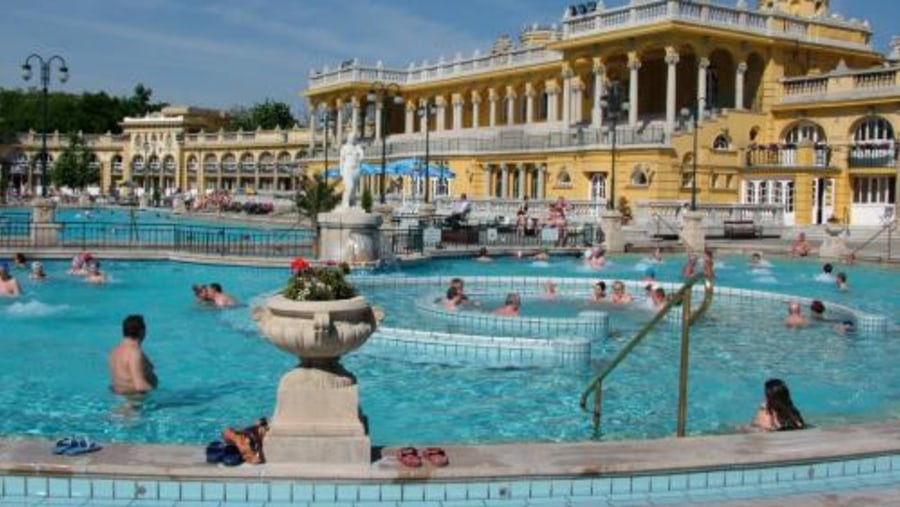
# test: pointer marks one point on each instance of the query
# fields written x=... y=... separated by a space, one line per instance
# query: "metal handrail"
x=689 y=317
x=665 y=222
x=890 y=227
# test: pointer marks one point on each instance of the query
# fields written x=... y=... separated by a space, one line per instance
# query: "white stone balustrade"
x=842 y=84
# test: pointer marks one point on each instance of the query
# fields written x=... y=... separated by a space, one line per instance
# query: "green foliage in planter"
x=326 y=283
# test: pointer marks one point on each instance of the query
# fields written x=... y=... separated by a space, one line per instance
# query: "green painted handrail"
x=689 y=317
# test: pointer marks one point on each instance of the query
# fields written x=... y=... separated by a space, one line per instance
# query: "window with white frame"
x=874 y=190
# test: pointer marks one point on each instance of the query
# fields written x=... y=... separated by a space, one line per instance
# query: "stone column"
x=739 y=86
x=567 y=76
x=476 y=110
x=613 y=237
x=552 y=101
x=529 y=103
x=578 y=89
x=493 y=98
x=379 y=106
x=510 y=106
x=423 y=120
x=441 y=113
x=702 y=67
x=339 y=124
x=542 y=175
x=313 y=126
x=693 y=235
x=355 y=118
x=671 y=85
x=409 y=123
x=634 y=67
x=458 y=103
x=599 y=91
x=504 y=182
x=489 y=178
x=521 y=168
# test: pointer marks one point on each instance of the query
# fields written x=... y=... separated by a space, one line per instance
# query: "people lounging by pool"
x=131 y=371
x=218 y=297
x=795 y=318
x=619 y=295
x=8 y=285
x=510 y=307
x=777 y=412
x=37 y=271
x=94 y=275
x=800 y=246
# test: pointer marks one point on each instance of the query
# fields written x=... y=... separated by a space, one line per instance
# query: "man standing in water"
x=130 y=369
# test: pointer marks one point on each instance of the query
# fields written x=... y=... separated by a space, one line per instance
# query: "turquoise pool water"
x=217 y=371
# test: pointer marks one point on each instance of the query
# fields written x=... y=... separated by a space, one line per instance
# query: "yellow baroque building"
x=794 y=111
x=179 y=148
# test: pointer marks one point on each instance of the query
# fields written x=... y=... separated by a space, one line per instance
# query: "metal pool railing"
x=689 y=317
x=179 y=238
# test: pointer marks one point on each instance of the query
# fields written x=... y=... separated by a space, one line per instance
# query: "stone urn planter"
x=317 y=418
x=834 y=245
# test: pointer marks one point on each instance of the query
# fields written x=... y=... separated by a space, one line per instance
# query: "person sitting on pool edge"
x=800 y=247
x=510 y=307
x=131 y=371
x=777 y=412
x=218 y=297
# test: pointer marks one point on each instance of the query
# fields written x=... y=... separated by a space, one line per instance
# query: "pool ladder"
x=689 y=317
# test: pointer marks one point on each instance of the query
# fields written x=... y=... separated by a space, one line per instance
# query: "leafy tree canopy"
x=73 y=169
x=265 y=115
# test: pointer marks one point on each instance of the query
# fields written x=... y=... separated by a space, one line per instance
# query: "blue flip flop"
x=82 y=445
x=63 y=444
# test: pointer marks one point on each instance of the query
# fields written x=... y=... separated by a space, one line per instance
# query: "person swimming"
x=37 y=271
x=599 y=293
x=841 y=281
x=483 y=255
x=795 y=318
x=619 y=295
x=510 y=307
x=94 y=275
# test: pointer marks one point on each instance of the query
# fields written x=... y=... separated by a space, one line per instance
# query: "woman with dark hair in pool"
x=778 y=412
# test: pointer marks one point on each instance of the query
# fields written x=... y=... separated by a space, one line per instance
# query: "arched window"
x=805 y=131
x=229 y=163
x=639 y=177
x=192 y=164
x=562 y=178
x=873 y=130
x=210 y=164
x=248 y=164
x=721 y=142
x=137 y=164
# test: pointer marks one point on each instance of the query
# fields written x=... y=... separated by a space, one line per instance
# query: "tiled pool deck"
x=850 y=460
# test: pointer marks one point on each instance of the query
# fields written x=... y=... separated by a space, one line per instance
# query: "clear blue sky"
x=218 y=53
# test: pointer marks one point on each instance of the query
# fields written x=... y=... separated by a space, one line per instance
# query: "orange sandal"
x=436 y=456
x=409 y=457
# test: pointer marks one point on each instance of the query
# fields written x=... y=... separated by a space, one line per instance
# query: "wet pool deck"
x=622 y=458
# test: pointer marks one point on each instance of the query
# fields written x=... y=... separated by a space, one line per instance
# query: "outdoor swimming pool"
x=217 y=371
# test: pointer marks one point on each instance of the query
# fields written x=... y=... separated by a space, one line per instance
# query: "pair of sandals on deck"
x=74 y=446
x=409 y=457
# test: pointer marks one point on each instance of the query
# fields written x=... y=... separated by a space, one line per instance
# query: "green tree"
x=365 y=202
x=73 y=169
x=264 y=115
x=315 y=195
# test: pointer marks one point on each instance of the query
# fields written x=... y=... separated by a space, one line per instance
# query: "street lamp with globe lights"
x=691 y=115
x=426 y=110
x=46 y=66
x=613 y=107
x=377 y=95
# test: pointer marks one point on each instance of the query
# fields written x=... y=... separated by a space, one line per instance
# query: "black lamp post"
x=426 y=110
x=379 y=92
x=692 y=117
x=613 y=106
x=326 y=117
x=45 y=85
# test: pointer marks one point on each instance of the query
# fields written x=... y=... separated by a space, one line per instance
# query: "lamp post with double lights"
x=46 y=67
x=326 y=117
x=378 y=94
x=692 y=116
x=613 y=106
x=426 y=110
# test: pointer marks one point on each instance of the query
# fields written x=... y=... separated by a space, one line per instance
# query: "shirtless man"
x=130 y=370
x=219 y=298
x=94 y=275
x=795 y=316
x=8 y=285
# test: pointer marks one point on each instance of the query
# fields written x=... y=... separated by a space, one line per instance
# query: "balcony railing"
x=842 y=85
x=872 y=155
x=788 y=155
x=506 y=141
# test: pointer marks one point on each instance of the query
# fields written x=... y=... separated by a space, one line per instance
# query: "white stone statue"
x=351 y=159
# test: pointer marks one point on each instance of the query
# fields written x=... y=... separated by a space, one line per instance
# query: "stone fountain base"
x=317 y=420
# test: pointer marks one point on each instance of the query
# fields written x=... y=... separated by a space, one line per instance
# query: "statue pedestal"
x=386 y=212
x=693 y=234
x=317 y=420
x=349 y=235
x=44 y=229
x=143 y=201
x=834 y=246
x=613 y=237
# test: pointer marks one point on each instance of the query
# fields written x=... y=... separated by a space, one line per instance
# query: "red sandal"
x=436 y=456
x=409 y=457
